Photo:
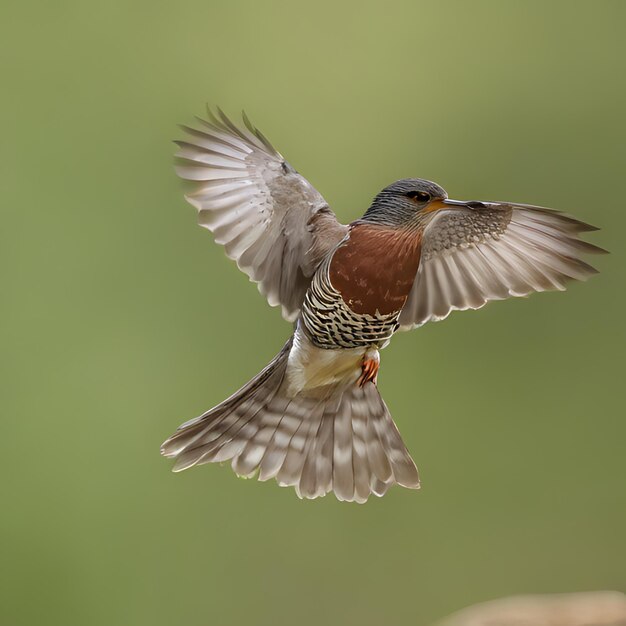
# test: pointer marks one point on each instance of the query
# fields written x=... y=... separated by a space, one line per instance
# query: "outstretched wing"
x=491 y=251
x=269 y=219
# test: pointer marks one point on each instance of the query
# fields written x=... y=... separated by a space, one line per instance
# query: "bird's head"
x=407 y=202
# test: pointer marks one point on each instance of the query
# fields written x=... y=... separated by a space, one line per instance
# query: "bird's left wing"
x=269 y=219
x=486 y=251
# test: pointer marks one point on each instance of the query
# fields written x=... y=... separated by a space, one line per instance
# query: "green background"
x=122 y=319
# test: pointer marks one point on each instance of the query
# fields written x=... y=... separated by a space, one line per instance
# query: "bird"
x=313 y=418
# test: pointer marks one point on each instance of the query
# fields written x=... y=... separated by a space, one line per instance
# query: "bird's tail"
x=340 y=438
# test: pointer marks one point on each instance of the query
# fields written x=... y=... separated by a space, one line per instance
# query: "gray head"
x=405 y=202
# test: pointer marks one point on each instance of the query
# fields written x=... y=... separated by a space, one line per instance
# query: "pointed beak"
x=468 y=204
x=437 y=205
x=454 y=202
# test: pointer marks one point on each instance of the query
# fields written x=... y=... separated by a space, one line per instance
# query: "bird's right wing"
x=269 y=219
x=492 y=251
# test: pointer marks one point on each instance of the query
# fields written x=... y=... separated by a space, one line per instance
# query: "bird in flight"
x=314 y=418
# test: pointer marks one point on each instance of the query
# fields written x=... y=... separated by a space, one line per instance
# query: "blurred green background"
x=121 y=318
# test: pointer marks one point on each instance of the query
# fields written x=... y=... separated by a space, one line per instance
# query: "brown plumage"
x=374 y=269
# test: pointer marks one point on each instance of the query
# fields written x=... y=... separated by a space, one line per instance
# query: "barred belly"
x=330 y=323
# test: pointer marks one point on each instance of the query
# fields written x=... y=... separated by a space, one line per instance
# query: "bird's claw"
x=369 y=369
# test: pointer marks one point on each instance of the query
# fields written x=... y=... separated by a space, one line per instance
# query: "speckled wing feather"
x=491 y=251
x=269 y=219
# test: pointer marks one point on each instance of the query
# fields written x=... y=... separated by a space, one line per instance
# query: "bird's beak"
x=449 y=202
x=437 y=205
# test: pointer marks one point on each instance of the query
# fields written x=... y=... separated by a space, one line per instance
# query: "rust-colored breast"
x=375 y=268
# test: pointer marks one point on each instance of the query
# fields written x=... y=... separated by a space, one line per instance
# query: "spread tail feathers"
x=340 y=438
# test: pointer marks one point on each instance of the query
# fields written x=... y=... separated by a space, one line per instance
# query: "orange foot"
x=369 y=368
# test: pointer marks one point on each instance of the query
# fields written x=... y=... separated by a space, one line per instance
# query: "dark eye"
x=418 y=196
